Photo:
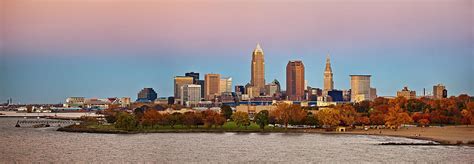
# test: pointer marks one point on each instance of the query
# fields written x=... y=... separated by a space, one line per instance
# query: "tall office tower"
x=201 y=83
x=225 y=85
x=360 y=88
x=295 y=80
x=212 y=83
x=147 y=94
x=258 y=69
x=195 y=76
x=191 y=94
x=179 y=81
x=439 y=91
x=328 y=81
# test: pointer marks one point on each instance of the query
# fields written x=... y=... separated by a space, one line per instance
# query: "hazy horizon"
x=54 y=49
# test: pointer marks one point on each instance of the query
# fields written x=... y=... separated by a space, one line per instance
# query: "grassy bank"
x=227 y=127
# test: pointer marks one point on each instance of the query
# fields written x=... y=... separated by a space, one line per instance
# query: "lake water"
x=47 y=145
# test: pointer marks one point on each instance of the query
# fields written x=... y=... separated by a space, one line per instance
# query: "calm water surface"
x=48 y=145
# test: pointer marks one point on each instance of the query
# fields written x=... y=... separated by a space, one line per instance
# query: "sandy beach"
x=451 y=134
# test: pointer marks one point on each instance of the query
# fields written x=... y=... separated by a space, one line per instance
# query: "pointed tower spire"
x=258 y=48
x=328 y=64
x=328 y=81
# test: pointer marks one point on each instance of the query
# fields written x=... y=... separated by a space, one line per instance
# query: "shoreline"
x=433 y=141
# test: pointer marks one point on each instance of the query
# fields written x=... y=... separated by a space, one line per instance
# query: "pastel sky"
x=53 y=49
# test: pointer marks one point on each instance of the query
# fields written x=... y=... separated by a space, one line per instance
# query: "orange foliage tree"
x=396 y=117
x=329 y=118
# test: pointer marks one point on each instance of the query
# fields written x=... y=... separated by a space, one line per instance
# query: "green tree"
x=226 y=111
x=241 y=119
x=126 y=121
x=262 y=118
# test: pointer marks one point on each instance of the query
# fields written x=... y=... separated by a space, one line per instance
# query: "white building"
x=191 y=94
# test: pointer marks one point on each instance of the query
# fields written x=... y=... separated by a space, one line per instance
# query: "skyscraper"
x=328 y=81
x=191 y=94
x=360 y=88
x=258 y=69
x=179 y=81
x=295 y=80
x=439 y=91
x=212 y=84
x=225 y=85
x=195 y=76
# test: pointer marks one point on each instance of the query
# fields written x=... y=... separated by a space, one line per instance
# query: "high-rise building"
x=271 y=89
x=212 y=83
x=239 y=89
x=191 y=94
x=147 y=95
x=405 y=92
x=328 y=81
x=201 y=83
x=439 y=91
x=225 y=85
x=194 y=75
x=360 y=88
x=295 y=80
x=258 y=69
x=196 y=80
x=179 y=81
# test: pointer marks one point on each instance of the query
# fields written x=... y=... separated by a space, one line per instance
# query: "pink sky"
x=77 y=25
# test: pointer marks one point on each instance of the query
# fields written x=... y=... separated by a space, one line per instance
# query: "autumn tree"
x=347 y=114
x=282 y=114
x=219 y=120
x=262 y=118
x=396 y=117
x=241 y=119
x=286 y=114
x=151 y=117
x=362 y=120
x=329 y=118
x=192 y=119
x=468 y=114
x=208 y=118
x=378 y=114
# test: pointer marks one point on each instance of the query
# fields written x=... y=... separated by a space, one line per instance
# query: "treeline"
x=389 y=112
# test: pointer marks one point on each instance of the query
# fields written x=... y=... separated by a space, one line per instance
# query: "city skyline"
x=68 y=63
